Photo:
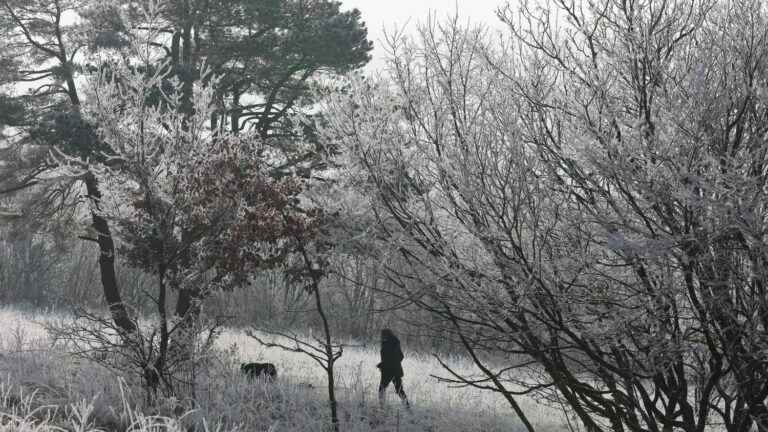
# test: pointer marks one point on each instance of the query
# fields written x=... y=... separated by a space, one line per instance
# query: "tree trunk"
x=182 y=56
x=186 y=303
x=332 y=395
x=107 y=260
x=188 y=296
x=104 y=237
x=162 y=351
x=329 y=354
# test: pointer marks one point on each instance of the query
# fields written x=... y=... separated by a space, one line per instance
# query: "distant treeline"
x=42 y=273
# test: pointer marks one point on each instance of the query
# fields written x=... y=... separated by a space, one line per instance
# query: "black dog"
x=255 y=370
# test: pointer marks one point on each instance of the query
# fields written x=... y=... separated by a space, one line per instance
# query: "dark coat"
x=391 y=357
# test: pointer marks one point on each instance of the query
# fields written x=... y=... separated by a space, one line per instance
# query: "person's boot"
x=404 y=399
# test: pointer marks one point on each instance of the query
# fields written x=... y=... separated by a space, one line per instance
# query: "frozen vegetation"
x=44 y=388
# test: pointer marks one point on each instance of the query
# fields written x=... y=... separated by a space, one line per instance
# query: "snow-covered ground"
x=296 y=402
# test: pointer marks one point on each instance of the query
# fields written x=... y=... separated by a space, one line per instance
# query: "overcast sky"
x=389 y=14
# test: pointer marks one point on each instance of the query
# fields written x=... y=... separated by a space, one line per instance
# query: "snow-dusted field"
x=296 y=402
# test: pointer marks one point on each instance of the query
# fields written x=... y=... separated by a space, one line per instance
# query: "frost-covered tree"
x=39 y=109
x=264 y=53
x=585 y=199
x=266 y=56
x=194 y=206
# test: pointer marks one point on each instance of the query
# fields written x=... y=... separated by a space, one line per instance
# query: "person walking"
x=390 y=367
